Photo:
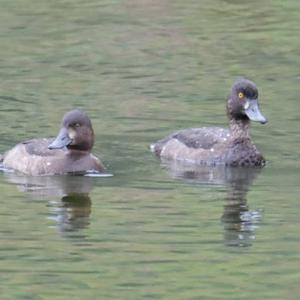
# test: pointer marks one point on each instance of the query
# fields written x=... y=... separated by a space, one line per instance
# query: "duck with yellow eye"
x=250 y=102
x=220 y=146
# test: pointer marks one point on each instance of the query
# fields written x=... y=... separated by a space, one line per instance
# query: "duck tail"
x=156 y=148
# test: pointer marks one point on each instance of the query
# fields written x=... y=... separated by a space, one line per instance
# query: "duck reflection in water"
x=239 y=222
x=74 y=212
x=67 y=196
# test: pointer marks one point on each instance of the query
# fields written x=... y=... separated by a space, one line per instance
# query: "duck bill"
x=61 y=141
x=253 y=113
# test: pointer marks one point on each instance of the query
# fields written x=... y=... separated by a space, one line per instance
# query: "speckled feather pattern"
x=214 y=145
x=209 y=146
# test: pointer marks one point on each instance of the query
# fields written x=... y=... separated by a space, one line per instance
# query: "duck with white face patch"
x=69 y=152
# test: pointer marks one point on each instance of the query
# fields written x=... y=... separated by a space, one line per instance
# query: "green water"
x=142 y=69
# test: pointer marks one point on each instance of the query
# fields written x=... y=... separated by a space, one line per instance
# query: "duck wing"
x=39 y=147
x=204 y=138
x=196 y=138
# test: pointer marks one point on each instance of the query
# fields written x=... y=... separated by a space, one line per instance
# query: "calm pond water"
x=141 y=69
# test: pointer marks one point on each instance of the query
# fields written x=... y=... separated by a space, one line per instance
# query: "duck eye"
x=76 y=125
x=241 y=95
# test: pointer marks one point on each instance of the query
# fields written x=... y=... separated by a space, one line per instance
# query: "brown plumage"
x=215 y=146
x=69 y=152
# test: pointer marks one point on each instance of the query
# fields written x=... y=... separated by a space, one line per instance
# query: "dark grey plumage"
x=213 y=145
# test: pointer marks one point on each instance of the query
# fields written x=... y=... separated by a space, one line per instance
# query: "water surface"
x=142 y=69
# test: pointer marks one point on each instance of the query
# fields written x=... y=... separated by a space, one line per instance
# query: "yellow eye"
x=241 y=95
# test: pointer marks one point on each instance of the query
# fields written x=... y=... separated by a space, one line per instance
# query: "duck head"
x=243 y=103
x=76 y=132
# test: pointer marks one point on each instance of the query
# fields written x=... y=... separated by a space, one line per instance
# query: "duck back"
x=34 y=158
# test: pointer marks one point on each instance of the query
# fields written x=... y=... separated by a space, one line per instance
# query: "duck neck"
x=239 y=128
x=78 y=149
